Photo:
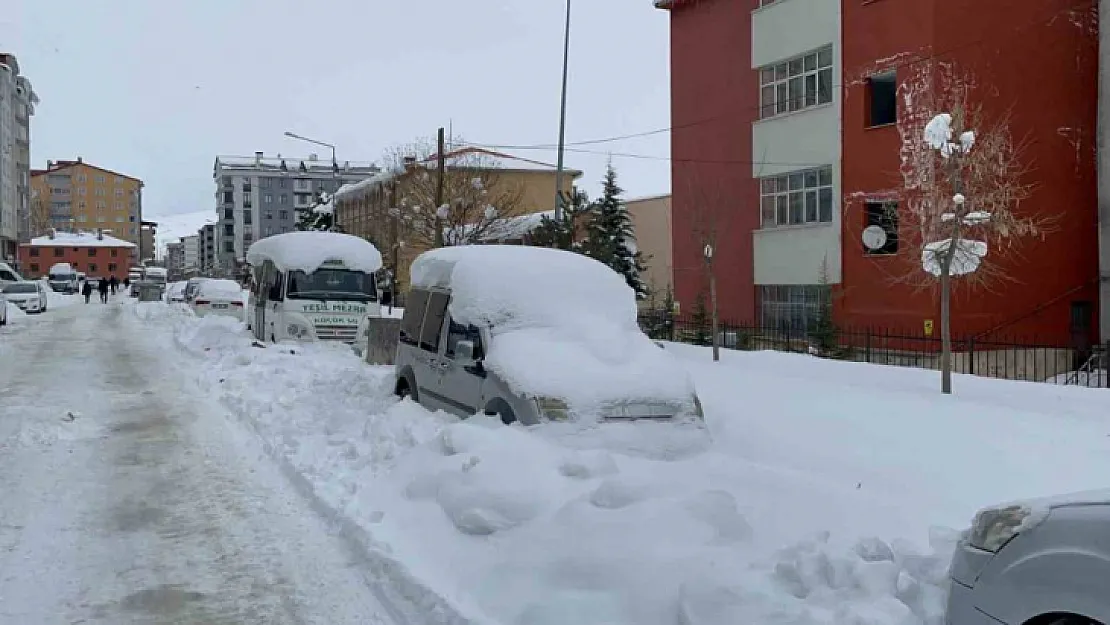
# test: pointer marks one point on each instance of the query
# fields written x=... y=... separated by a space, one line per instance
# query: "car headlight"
x=553 y=409
x=994 y=527
x=297 y=331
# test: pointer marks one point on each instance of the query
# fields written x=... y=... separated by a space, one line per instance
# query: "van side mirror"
x=464 y=350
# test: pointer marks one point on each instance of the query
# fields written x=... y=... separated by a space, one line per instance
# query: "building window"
x=283 y=199
x=132 y=230
x=885 y=216
x=264 y=183
x=92 y=251
x=100 y=178
x=34 y=267
x=101 y=219
x=796 y=84
x=882 y=99
x=283 y=214
x=115 y=253
x=229 y=197
x=132 y=219
x=229 y=230
x=229 y=213
x=269 y=199
x=100 y=191
x=111 y=266
x=34 y=251
x=247 y=218
x=92 y=267
x=283 y=183
x=82 y=218
x=269 y=231
x=226 y=181
x=81 y=205
x=101 y=205
x=229 y=247
x=59 y=252
x=800 y=197
x=80 y=190
x=119 y=192
x=269 y=214
x=792 y=308
x=119 y=219
x=119 y=206
x=119 y=180
x=82 y=178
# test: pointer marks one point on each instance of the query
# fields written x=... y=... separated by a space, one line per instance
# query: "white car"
x=218 y=297
x=175 y=292
x=29 y=296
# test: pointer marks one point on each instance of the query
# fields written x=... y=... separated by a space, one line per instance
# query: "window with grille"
x=797 y=198
x=793 y=308
x=796 y=84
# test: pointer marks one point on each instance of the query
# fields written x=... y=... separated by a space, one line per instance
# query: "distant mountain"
x=173 y=227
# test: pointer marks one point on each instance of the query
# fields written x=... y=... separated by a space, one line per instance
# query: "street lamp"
x=334 y=170
x=562 y=121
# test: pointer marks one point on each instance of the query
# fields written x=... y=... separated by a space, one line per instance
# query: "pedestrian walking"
x=86 y=290
x=113 y=283
x=127 y=282
x=103 y=288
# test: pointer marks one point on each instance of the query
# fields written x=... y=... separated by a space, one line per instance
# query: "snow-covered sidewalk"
x=829 y=492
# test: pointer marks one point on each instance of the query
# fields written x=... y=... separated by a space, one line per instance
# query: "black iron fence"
x=997 y=357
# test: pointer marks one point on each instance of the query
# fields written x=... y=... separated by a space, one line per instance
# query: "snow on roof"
x=563 y=324
x=79 y=239
x=307 y=251
x=353 y=189
x=61 y=268
x=507 y=229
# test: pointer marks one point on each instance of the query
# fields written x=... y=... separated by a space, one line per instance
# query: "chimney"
x=49 y=164
x=79 y=160
x=51 y=233
x=258 y=158
x=99 y=234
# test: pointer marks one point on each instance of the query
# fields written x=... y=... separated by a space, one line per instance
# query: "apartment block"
x=207 y=258
x=17 y=105
x=175 y=261
x=789 y=121
x=75 y=195
x=190 y=254
x=258 y=196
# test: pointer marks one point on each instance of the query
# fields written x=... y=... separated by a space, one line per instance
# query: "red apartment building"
x=97 y=255
x=788 y=118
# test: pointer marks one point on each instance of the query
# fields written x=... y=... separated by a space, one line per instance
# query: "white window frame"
x=796 y=84
x=794 y=308
x=797 y=198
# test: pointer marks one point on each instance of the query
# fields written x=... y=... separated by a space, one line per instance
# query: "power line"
x=732 y=111
x=651 y=157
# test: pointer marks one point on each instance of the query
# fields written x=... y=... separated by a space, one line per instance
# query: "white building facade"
x=191 y=253
x=17 y=105
x=258 y=197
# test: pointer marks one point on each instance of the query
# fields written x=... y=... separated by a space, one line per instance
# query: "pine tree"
x=560 y=233
x=611 y=238
x=701 y=334
x=320 y=216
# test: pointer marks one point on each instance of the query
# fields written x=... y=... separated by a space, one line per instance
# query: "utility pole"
x=562 y=122
x=439 y=189
x=396 y=241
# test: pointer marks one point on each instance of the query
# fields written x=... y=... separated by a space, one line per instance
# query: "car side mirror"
x=464 y=350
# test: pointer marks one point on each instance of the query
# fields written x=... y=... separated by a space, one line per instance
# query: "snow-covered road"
x=125 y=500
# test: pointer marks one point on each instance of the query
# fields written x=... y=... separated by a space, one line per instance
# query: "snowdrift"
x=839 y=504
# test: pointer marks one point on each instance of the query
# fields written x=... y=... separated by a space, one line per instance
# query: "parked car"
x=175 y=292
x=191 y=286
x=1042 y=561
x=219 y=297
x=29 y=295
x=502 y=330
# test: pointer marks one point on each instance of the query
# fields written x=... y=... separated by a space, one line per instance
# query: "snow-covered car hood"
x=20 y=297
x=588 y=369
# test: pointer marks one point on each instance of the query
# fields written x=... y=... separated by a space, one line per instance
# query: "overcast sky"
x=158 y=89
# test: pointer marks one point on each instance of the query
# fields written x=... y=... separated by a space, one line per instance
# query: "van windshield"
x=332 y=284
x=63 y=277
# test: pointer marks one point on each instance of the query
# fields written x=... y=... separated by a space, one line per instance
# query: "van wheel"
x=405 y=388
x=501 y=410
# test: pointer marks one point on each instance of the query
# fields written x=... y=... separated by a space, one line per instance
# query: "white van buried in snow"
x=533 y=334
x=63 y=278
x=310 y=286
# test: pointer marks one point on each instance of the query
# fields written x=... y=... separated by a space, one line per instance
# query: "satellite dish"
x=874 y=237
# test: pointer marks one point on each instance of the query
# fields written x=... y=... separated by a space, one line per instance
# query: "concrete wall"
x=651 y=219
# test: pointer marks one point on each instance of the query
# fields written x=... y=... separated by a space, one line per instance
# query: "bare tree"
x=710 y=223
x=40 y=221
x=964 y=181
x=478 y=203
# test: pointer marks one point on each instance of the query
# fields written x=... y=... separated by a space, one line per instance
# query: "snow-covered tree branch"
x=961 y=212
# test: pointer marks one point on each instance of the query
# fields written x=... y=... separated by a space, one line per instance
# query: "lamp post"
x=334 y=169
x=562 y=121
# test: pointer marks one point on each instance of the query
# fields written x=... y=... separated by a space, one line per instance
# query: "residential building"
x=17 y=105
x=148 y=236
x=190 y=254
x=75 y=195
x=789 y=118
x=97 y=254
x=651 y=221
x=258 y=196
x=369 y=209
x=175 y=261
x=207 y=258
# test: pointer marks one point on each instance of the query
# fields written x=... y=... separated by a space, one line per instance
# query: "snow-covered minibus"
x=309 y=286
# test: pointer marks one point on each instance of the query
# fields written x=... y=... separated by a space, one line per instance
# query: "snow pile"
x=225 y=289
x=563 y=325
x=804 y=510
x=307 y=251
